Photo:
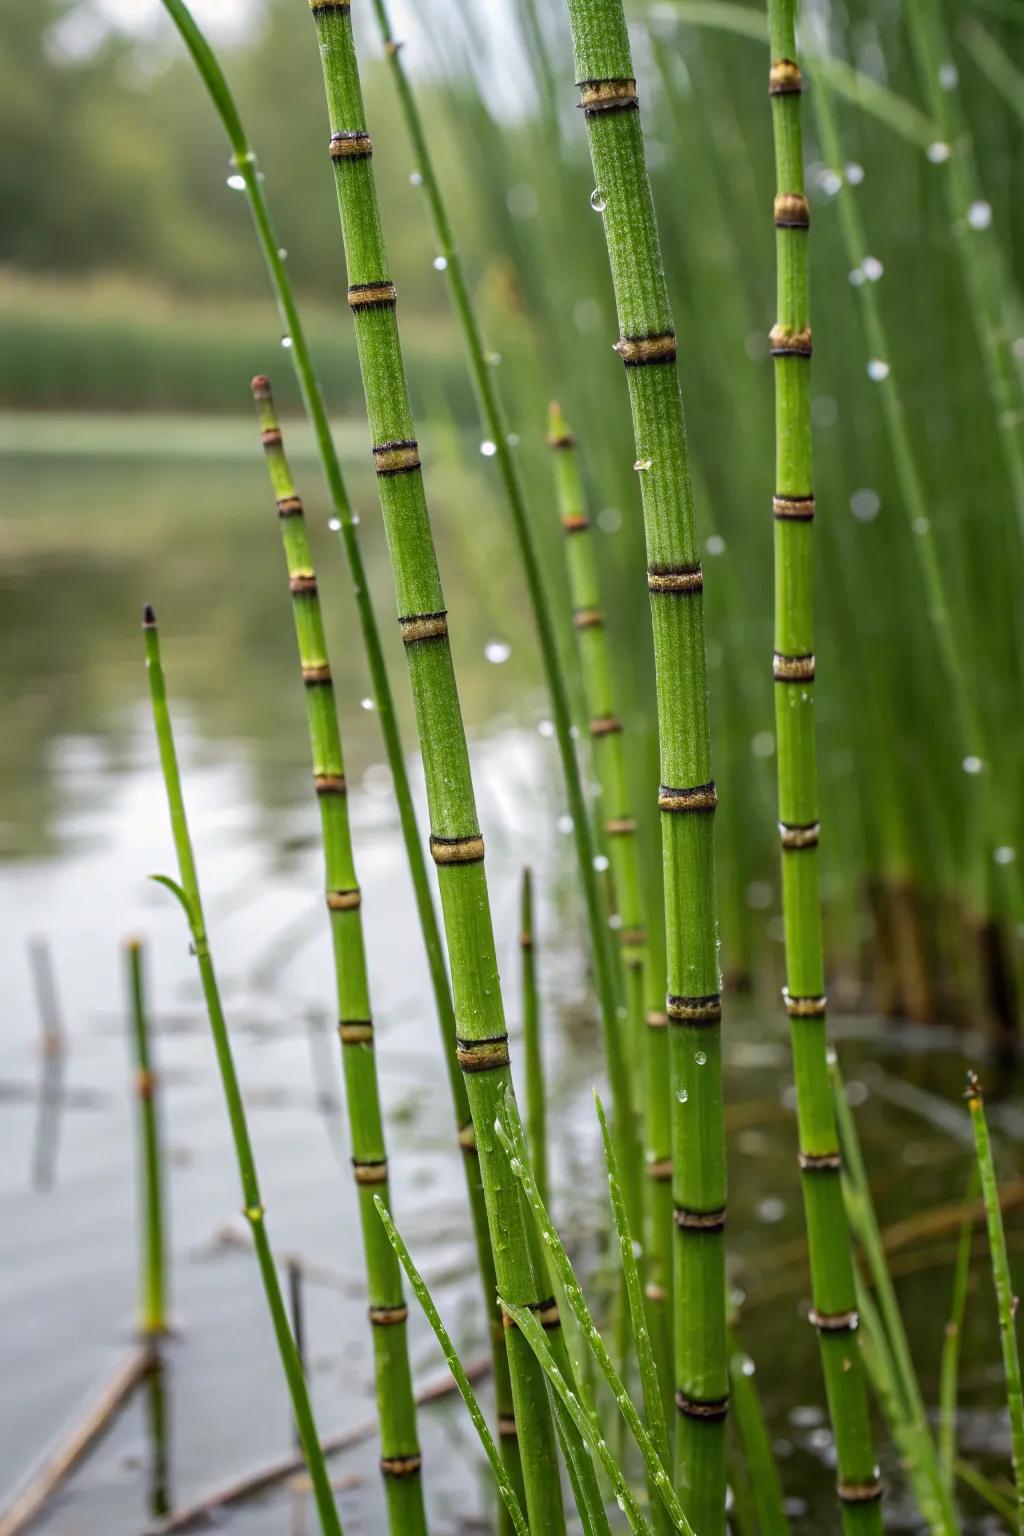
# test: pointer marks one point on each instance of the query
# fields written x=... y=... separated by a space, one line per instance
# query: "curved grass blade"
x=455 y=1365
x=949 y=1368
x=755 y=1443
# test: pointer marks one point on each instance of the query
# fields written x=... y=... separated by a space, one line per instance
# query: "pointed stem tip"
x=149 y=617
x=260 y=387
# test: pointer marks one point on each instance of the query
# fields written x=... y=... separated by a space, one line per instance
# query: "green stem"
x=153 y=1314
x=950 y=1365
x=189 y=896
x=400 y=1453
x=493 y=423
x=1006 y=1301
x=456 y=844
x=380 y=685
x=832 y=1279
x=647 y=346
x=536 y=1104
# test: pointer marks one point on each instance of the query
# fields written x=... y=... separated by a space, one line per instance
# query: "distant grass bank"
x=111 y=345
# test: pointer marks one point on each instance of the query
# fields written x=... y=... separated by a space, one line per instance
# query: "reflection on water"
x=83 y=823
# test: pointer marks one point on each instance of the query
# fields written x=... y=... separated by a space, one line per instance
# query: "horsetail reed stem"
x=456 y=844
x=1006 y=1301
x=493 y=423
x=644 y=990
x=536 y=1104
x=188 y=895
x=153 y=1268
x=400 y=1454
x=245 y=161
x=509 y=1496
x=687 y=797
x=949 y=1369
x=833 y=1289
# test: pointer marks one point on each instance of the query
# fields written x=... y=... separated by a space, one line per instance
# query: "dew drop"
x=236 y=182
x=286 y=342
x=762 y=744
x=609 y=519
x=1005 y=854
x=415 y=179
x=642 y=464
x=488 y=449
x=830 y=182
x=700 y=1057
x=440 y=263
x=497 y=651
x=715 y=545
x=979 y=215
x=921 y=525
x=770 y=1210
x=564 y=825
x=939 y=152
x=972 y=764
x=949 y=76
x=865 y=504
x=494 y=358
x=600 y=862
x=366 y=704
x=878 y=370
x=748 y=1367
x=854 y=173
x=598 y=201
x=513 y=439
x=682 y=1095
x=638 y=1251
x=872 y=268
x=615 y=921
x=857 y=277
x=282 y=251
x=545 y=728
x=335 y=525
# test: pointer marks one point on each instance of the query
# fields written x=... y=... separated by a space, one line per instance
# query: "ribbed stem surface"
x=153 y=1317
x=832 y=1280
x=396 y=1409
x=647 y=346
x=456 y=844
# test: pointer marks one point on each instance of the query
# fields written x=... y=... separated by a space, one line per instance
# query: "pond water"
x=89 y=534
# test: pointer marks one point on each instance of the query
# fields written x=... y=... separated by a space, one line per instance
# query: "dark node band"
x=575 y=522
x=701 y=797
x=507 y=1427
x=401 y=1466
x=380 y=295
x=546 y=1312
x=632 y=936
x=607 y=96
x=711 y=1410
x=835 y=1322
x=344 y=901
x=271 y=437
x=388 y=1317
x=680 y=581
x=526 y=941
x=330 y=784
x=318 y=676
x=819 y=1162
x=793 y=509
x=694 y=1010
x=329 y=5
x=587 y=618
x=792 y=211
x=655 y=1292
x=396 y=458
x=356 y=1031
x=302 y=586
x=457 y=850
x=860 y=1493
x=785 y=342
x=606 y=725
x=804 y=1007
x=699 y=1221
x=660 y=1170
x=795 y=836
x=784 y=78
x=373 y=1171
x=289 y=506
x=354 y=145
x=145 y=1083
x=656 y=1020
x=482 y=1055
x=466 y=1138
x=641 y=351
x=793 y=669
x=423 y=626
x=620 y=826
x=562 y=440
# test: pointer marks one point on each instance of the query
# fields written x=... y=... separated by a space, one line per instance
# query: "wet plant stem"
x=1006 y=1300
x=456 y=843
x=153 y=1313
x=950 y=1365
x=188 y=894
x=687 y=796
x=536 y=1102
x=244 y=160
x=493 y=423
x=834 y=1312
x=400 y=1454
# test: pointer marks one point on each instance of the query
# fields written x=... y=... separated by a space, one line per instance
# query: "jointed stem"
x=189 y=896
x=400 y=1455
x=153 y=1277
x=832 y=1278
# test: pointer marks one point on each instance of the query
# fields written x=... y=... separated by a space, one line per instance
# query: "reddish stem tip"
x=149 y=617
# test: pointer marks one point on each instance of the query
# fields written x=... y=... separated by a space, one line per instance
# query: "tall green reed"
x=153 y=1287
x=834 y=1311
x=456 y=844
x=687 y=797
x=401 y=1462
x=186 y=889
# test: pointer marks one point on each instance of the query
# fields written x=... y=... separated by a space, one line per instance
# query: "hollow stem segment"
x=648 y=1033
x=456 y=844
x=536 y=1105
x=492 y=418
x=189 y=896
x=400 y=1454
x=153 y=1316
x=687 y=798
x=835 y=1307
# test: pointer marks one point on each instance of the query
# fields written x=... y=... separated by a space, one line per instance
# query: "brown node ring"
x=562 y=440
x=271 y=437
x=330 y=784
x=860 y=1493
x=356 y=1031
x=354 y=145
x=424 y=626
x=819 y=1162
x=700 y=797
x=318 y=676
x=699 y=1221
x=373 y=1171
x=289 y=506
x=682 y=581
x=396 y=458
x=587 y=618
x=793 y=509
x=380 y=295
x=785 y=342
x=401 y=1466
x=457 y=850
x=784 y=78
x=303 y=585
x=656 y=1020
x=660 y=1170
x=793 y=669
x=607 y=96
x=466 y=1138
x=835 y=1322
x=792 y=211
x=694 y=1010
x=804 y=1007
x=546 y=1312
x=712 y=1410
x=507 y=1427
x=345 y=901
x=388 y=1317
x=606 y=725
x=794 y=836
x=641 y=351
x=620 y=826
x=482 y=1055
x=575 y=522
